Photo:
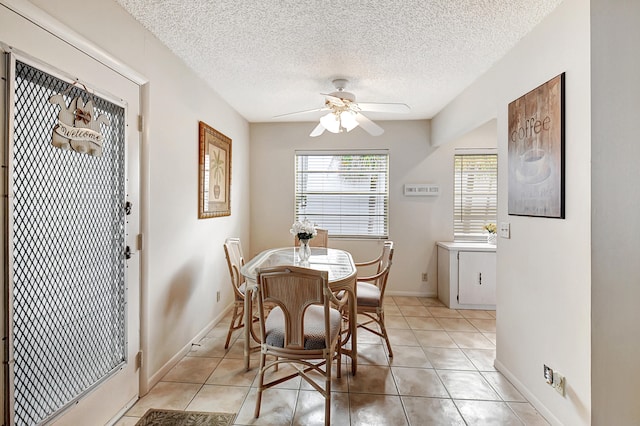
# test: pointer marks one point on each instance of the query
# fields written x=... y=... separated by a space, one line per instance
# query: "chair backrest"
x=235 y=260
x=320 y=240
x=293 y=289
x=384 y=265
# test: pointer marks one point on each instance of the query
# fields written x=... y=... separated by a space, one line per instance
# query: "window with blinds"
x=346 y=193
x=475 y=195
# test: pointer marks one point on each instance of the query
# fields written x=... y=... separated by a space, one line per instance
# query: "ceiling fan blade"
x=319 y=129
x=383 y=107
x=300 y=112
x=369 y=126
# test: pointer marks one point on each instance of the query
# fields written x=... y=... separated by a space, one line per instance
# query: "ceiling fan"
x=345 y=114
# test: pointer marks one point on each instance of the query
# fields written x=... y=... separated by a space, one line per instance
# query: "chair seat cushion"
x=313 y=327
x=368 y=294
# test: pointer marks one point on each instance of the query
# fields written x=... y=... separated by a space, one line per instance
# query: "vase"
x=304 y=251
x=491 y=238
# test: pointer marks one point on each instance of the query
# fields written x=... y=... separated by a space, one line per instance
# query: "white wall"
x=416 y=223
x=544 y=277
x=615 y=67
x=185 y=263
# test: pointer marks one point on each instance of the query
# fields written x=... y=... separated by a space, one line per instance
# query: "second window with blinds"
x=346 y=193
x=475 y=194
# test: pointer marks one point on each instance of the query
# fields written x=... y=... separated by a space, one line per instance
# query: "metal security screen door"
x=66 y=228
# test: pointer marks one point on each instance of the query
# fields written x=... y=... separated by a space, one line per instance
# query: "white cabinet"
x=467 y=275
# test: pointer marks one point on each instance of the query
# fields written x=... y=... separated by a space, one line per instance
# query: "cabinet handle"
x=480 y=278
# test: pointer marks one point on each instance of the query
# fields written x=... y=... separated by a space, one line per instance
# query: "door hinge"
x=140 y=123
x=139 y=360
x=139 y=242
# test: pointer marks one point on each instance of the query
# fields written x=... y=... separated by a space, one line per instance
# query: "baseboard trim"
x=158 y=375
x=542 y=409
x=411 y=294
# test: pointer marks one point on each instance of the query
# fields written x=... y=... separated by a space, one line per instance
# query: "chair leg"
x=384 y=332
x=263 y=359
x=327 y=388
x=232 y=325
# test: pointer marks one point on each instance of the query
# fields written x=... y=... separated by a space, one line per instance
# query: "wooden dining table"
x=342 y=277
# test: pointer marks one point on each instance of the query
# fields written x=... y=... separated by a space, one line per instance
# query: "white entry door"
x=73 y=294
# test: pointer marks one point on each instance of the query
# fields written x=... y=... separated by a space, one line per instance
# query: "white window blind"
x=475 y=195
x=346 y=193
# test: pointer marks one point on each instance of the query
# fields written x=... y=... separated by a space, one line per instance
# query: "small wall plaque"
x=421 y=189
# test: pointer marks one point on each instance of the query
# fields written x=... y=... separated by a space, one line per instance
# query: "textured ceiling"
x=269 y=57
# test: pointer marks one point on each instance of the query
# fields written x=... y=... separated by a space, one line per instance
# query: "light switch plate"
x=505 y=230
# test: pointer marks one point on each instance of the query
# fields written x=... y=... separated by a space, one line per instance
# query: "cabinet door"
x=477 y=278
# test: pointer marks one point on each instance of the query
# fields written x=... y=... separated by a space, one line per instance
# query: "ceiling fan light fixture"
x=330 y=122
x=348 y=120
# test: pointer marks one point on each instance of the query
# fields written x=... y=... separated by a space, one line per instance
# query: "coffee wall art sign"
x=536 y=151
x=214 y=188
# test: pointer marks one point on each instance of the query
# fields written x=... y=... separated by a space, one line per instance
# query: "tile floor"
x=441 y=374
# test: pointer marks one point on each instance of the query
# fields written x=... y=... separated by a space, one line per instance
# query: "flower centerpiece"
x=491 y=229
x=304 y=230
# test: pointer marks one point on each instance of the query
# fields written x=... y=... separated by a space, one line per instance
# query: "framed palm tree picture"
x=214 y=187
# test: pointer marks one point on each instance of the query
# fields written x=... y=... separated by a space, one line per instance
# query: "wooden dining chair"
x=370 y=292
x=320 y=240
x=235 y=260
x=302 y=328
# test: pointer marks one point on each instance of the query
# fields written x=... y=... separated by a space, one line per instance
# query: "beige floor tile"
x=373 y=379
x=310 y=409
x=416 y=311
x=467 y=385
x=444 y=312
x=409 y=356
x=337 y=384
x=276 y=409
x=449 y=359
x=232 y=372
x=391 y=309
x=491 y=337
x=484 y=325
x=165 y=395
x=192 y=370
x=282 y=371
x=418 y=382
x=403 y=301
x=528 y=414
x=423 y=323
x=222 y=328
x=127 y=421
x=505 y=389
x=402 y=337
x=482 y=359
x=471 y=340
x=222 y=399
x=376 y=410
x=370 y=354
x=487 y=413
x=431 y=411
x=475 y=313
x=395 y=322
x=456 y=324
x=430 y=301
x=211 y=347
x=365 y=336
x=436 y=339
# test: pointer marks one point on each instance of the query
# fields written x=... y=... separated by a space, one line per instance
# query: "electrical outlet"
x=425 y=276
x=548 y=374
x=504 y=230
x=217 y=296
x=558 y=382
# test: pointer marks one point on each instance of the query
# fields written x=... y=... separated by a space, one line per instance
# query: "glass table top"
x=338 y=263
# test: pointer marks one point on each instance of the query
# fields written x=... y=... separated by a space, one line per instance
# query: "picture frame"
x=536 y=152
x=214 y=186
